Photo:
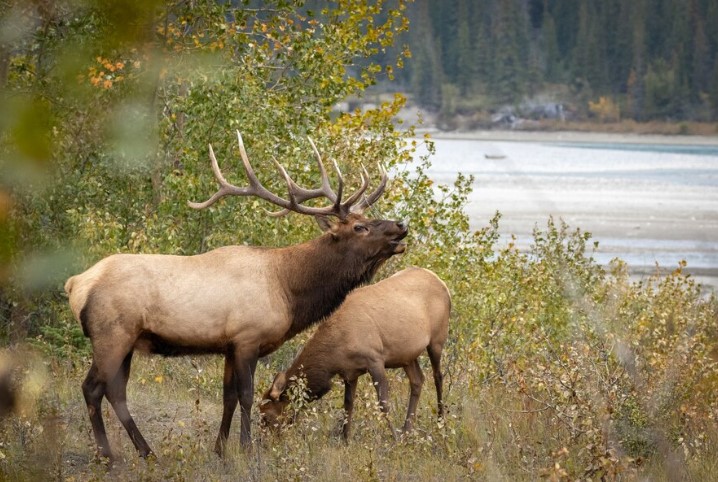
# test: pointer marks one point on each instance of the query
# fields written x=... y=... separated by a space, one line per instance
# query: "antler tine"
x=251 y=176
x=255 y=187
x=355 y=197
x=374 y=196
x=262 y=192
x=225 y=187
x=326 y=187
x=290 y=184
x=340 y=190
x=301 y=194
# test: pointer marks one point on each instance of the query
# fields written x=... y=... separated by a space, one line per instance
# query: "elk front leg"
x=230 y=397
x=350 y=388
x=244 y=373
x=416 y=380
x=378 y=375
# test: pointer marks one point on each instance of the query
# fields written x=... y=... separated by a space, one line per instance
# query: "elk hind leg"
x=94 y=388
x=100 y=381
x=117 y=396
x=416 y=381
x=435 y=357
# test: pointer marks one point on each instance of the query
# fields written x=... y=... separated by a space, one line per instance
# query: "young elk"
x=384 y=325
x=238 y=301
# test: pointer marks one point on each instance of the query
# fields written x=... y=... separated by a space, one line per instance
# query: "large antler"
x=297 y=194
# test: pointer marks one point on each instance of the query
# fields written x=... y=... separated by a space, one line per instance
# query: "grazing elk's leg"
x=94 y=389
x=416 y=380
x=230 y=397
x=378 y=375
x=244 y=372
x=117 y=396
x=350 y=389
x=435 y=357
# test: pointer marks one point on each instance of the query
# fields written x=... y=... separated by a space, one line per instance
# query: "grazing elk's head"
x=372 y=239
x=274 y=401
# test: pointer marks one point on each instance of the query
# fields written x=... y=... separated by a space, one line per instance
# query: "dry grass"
x=178 y=408
x=490 y=434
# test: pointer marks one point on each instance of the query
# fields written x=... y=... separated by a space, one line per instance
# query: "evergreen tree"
x=510 y=54
x=701 y=62
x=482 y=56
x=553 y=65
x=619 y=52
x=587 y=55
x=565 y=14
x=465 y=68
x=426 y=69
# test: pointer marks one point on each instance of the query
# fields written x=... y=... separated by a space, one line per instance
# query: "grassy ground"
x=177 y=405
x=491 y=433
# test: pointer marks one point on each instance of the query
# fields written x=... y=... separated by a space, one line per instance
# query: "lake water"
x=644 y=203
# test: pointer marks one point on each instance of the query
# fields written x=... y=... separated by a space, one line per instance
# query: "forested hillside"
x=648 y=59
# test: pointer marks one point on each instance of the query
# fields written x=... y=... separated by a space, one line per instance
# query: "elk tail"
x=68 y=285
x=78 y=303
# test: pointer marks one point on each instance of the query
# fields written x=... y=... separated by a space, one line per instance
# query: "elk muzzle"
x=398 y=242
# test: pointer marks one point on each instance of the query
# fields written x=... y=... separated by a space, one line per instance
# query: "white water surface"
x=643 y=203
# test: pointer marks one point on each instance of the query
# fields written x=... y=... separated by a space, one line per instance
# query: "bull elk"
x=384 y=325
x=239 y=301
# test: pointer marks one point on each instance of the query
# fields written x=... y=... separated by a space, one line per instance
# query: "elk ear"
x=280 y=381
x=325 y=222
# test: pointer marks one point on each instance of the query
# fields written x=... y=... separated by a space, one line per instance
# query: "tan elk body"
x=241 y=302
x=385 y=325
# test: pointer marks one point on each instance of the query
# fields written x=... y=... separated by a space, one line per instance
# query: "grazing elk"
x=384 y=325
x=239 y=301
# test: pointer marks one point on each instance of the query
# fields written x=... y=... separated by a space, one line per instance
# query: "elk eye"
x=358 y=228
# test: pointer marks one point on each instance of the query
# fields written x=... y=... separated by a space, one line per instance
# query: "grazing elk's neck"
x=320 y=275
x=314 y=363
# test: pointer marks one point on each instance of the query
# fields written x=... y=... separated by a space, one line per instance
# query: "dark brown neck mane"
x=320 y=274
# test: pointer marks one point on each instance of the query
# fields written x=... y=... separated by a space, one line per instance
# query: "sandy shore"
x=574 y=136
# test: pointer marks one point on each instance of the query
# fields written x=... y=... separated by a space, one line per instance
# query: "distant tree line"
x=650 y=59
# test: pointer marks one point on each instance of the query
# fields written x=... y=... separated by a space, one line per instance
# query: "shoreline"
x=571 y=136
x=707 y=278
x=664 y=270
